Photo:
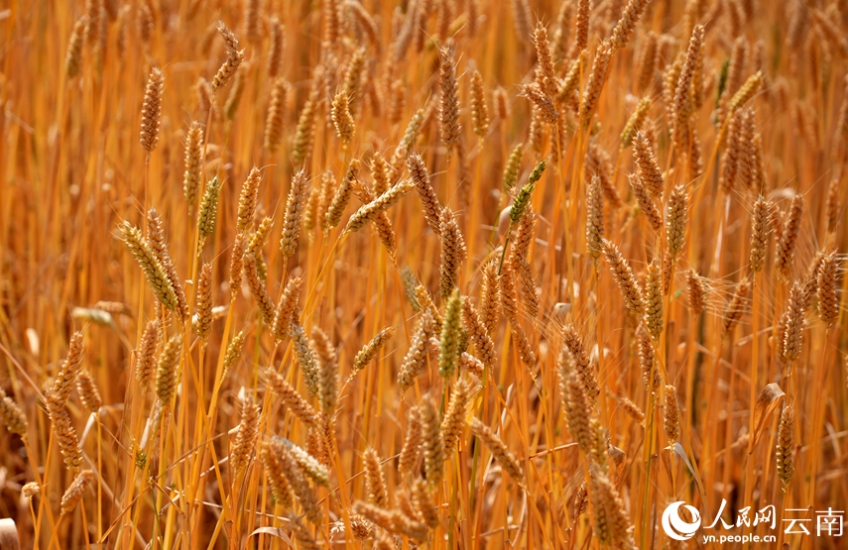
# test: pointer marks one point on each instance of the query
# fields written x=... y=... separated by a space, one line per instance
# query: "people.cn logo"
x=675 y=526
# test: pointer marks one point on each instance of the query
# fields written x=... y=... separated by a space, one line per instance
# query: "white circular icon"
x=675 y=526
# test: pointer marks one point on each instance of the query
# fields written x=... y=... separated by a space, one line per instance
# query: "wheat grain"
x=634 y=123
x=832 y=206
x=595 y=82
x=432 y=444
x=12 y=416
x=294 y=212
x=382 y=223
x=760 y=230
x=193 y=155
x=477 y=332
x=647 y=62
x=411 y=449
x=646 y=204
x=63 y=430
x=207 y=215
x=598 y=164
x=581 y=38
x=499 y=450
x=150 y=264
x=206 y=100
x=227 y=69
x=671 y=422
x=429 y=201
x=521 y=18
x=654 y=300
x=449 y=345
x=274 y=117
x=372 y=348
x=736 y=307
x=299 y=485
x=561 y=35
x=290 y=397
x=577 y=405
x=730 y=166
x=624 y=278
x=453 y=421
x=377 y=206
x=69 y=369
x=683 y=106
x=311 y=466
x=574 y=349
x=29 y=490
x=428 y=511
x=676 y=220
x=568 y=88
x=453 y=252
x=280 y=486
x=479 y=109
x=646 y=162
x=500 y=104
x=826 y=290
x=151 y=111
x=632 y=409
x=167 y=370
x=449 y=127
x=612 y=525
x=145 y=366
x=233 y=352
x=785 y=463
x=73 y=59
x=543 y=103
x=156 y=238
x=87 y=389
x=366 y=23
x=237 y=265
x=746 y=92
x=203 y=306
x=146 y=23
x=248 y=199
x=275 y=49
x=248 y=433
x=258 y=290
x=342 y=119
x=627 y=23
x=790 y=229
x=76 y=490
x=305 y=132
x=342 y=196
x=375 y=479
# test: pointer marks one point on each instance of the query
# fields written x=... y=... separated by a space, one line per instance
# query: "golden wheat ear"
x=275 y=115
x=449 y=103
x=247 y=434
x=151 y=111
x=76 y=490
x=12 y=416
x=499 y=450
x=295 y=205
x=785 y=448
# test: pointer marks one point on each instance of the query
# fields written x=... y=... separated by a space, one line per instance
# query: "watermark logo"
x=675 y=526
x=797 y=521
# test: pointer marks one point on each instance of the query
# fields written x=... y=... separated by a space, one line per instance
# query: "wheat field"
x=423 y=273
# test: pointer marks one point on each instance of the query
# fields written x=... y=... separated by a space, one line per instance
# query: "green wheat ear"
x=523 y=197
x=519 y=206
x=150 y=264
x=208 y=212
x=449 y=342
